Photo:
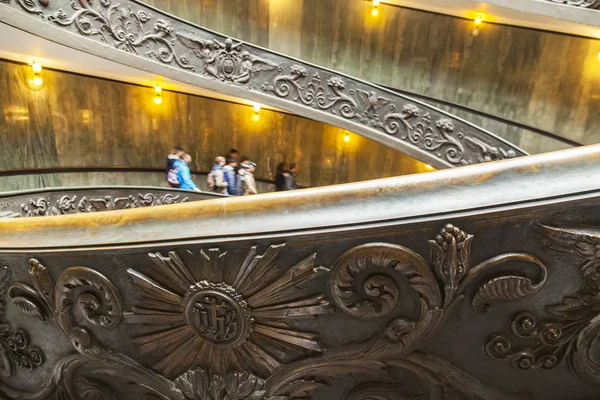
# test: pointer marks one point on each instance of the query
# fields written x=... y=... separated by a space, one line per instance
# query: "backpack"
x=210 y=180
x=172 y=175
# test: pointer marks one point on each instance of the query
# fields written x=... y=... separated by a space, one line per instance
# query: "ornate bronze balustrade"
x=64 y=201
x=472 y=283
x=137 y=35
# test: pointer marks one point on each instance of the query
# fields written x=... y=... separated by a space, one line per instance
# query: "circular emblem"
x=217 y=314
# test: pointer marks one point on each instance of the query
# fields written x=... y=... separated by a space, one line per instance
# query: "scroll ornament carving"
x=593 y=4
x=91 y=371
x=124 y=29
x=574 y=334
x=15 y=350
x=237 y=311
x=364 y=283
x=366 y=106
x=71 y=204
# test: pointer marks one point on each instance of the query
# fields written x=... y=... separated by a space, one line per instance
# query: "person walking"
x=216 y=180
x=285 y=178
x=291 y=181
x=183 y=173
x=248 y=181
x=171 y=172
x=232 y=177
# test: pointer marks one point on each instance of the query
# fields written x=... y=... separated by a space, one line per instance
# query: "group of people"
x=228 y=175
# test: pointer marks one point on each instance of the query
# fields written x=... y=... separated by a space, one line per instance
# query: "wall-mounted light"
x=256 y=117
x=375 y=10
x=36 y=67
x=598 y=56
x=477 y=23
x=158 y=94
x=346 y=138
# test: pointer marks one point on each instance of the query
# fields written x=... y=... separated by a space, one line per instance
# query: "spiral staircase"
x=477 y=282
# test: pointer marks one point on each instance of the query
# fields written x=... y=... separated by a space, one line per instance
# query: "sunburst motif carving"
x=225 y=316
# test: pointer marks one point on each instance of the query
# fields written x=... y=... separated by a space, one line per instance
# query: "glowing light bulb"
x=158 y=99
x=598 y=56
x=37 y=81
x=478 y=21
x=256 y=117
x=257 y=108
x=158 y=89
x=375 y=12
x=346 y=138
x=37 y=67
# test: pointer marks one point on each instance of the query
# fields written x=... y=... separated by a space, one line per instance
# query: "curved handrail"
x=155 y=41
x=511 y=184
x=108 y=169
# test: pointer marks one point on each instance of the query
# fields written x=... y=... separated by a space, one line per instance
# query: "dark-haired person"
x=280 y=177
x=183 y=173
x=291 y=182
x=171 y=171
x=232 y=178
x=233 y=153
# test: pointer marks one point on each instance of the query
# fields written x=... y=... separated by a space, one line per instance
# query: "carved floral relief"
x=222 y=329
x=573 y=333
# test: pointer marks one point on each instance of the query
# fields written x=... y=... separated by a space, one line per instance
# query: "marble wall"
x=77 y=121
x=548 y=80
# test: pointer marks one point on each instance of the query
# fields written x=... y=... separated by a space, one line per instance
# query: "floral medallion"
x=225 y=316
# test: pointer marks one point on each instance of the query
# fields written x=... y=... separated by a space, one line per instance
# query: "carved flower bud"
x=298 y=70
x=445 y=124
x=411 y=109
x=336 y=82
x=451 y=257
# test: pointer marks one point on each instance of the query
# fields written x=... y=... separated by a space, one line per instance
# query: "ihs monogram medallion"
x=224 y=315
x=217 y=313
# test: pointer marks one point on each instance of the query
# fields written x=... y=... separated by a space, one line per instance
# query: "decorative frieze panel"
x=250 y=72
x=62 y=202
x=211 y=324
x=592 y=4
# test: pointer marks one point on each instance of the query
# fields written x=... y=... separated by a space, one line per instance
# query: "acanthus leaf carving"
x=592 y=4
x=125 y=28
x=575 y=334
x=363 y=284
x=197 y=384
x=15 y=349
x=71 y=204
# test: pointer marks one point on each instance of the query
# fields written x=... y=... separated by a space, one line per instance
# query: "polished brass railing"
x=473 y=283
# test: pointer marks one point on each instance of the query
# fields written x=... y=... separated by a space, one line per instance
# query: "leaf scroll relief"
x=574 y=332
x=592 y=4
x=364 y=284
x=15 y=349
x=93 y=371
x=72 y=204
x=456 y=146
